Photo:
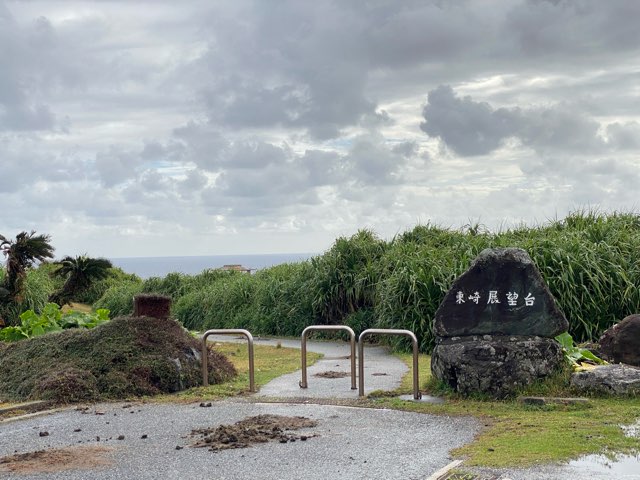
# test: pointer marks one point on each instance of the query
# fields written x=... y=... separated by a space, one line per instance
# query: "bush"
x=37 y=288
x=98 y=288
x=345 y=277
x=119 y=298
x=52 y=319
x=283 y=299
x=589 y=261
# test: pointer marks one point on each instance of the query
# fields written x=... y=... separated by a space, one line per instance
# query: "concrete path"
x=352 y=443
x=382 y=371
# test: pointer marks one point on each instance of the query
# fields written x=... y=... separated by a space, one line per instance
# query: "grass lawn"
x=520 y=435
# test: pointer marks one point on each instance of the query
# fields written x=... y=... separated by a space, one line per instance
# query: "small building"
x=236 y=268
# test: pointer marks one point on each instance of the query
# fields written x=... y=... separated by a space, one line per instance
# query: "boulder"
x=621 y=343
x=495 y=365
x=502 y=293
x=608 y=379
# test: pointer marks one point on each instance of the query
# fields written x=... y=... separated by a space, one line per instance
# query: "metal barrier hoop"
x=383 y=331
x=228 y=331
x=303 y=349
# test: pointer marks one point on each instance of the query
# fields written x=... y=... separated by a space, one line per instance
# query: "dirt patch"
x=259 y=429
x=459 y=475
x=56 y=460
x=331 y=374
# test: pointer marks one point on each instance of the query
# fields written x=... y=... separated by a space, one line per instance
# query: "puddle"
x=424 y=399
x=619 y=466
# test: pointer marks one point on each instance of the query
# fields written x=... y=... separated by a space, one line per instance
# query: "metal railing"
x=303 y=348
x=383 y=331
x=228 y=331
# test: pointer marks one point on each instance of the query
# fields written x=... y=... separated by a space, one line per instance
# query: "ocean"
x=146 y=267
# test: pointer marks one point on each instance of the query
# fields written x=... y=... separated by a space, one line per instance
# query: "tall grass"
x=119 y=298
x=589 y=260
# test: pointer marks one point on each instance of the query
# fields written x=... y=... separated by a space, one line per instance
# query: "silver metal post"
x=383 y=331
x=228 y=331
x=303 y=350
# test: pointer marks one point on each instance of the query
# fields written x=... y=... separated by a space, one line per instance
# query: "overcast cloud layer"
x=196 y=128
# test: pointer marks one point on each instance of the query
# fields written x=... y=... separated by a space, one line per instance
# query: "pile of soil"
x=56 y=460
x=122 y=358
x=331 y=374
x=259 y=429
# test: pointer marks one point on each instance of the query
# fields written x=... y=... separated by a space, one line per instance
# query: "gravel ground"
x=352 y=443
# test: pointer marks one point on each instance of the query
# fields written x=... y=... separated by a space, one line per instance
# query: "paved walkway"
x=352 y=443
x=382 y=371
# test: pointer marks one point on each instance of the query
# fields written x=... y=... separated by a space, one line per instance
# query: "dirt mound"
x=56 y=460
x=331 y=374
x=259 y=429
x=122 y=358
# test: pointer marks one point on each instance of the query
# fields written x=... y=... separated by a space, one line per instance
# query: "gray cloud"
x=20 y=108
x=624 y=136
x=116 y=166
x=573 y=31
x=476 y=128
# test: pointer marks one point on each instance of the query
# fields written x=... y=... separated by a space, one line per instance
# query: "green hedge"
x=589 y=260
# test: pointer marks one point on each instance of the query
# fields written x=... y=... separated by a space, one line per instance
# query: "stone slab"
x=608 y=379
x=501 y=293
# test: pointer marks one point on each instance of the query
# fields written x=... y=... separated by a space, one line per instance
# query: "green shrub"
x=344 y=278
x=589 y=260
x=52 y=319
x=283 y=299
x=37 y=288
x=119 y=298
x=98 y=288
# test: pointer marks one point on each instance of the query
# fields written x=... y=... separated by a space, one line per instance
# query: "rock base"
x=609 y=380
x=494 y=365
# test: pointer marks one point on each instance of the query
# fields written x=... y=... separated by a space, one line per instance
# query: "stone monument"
x=495 y=327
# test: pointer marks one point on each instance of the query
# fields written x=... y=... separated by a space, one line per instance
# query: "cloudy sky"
x=132 y=128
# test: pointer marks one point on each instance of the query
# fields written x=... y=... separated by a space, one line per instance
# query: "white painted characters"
x=494 y=298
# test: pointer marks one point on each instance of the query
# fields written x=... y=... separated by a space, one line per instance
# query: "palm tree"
x=80 y=272
x=21 y=253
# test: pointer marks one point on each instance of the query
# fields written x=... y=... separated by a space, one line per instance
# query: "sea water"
x=146 y=267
